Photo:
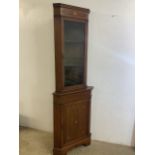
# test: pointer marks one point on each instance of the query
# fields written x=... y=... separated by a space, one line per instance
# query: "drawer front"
x=74 y=97
x=75 y=120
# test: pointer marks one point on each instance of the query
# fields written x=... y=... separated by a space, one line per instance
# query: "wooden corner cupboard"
x=72 y=98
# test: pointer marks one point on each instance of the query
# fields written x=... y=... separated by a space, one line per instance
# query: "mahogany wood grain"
x=72 y=104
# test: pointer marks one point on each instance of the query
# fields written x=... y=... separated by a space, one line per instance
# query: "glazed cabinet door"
x=74 y=53
x=76 y=120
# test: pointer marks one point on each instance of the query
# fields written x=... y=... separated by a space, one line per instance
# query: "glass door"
x=74 y=49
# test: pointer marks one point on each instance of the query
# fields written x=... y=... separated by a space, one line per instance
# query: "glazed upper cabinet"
x=71 y=26
x=72 y=98
x=74 y=50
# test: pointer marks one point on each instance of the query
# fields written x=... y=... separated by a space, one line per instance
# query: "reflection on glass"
x=73 y=53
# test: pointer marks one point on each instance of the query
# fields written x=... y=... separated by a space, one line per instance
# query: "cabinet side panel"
x=57 y=123
x=58 y=52
x=83 y=118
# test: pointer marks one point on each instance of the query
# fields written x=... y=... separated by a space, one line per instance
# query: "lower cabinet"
x=75 y=120
x=71 y=120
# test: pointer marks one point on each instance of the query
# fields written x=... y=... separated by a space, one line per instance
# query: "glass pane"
x=73 y=52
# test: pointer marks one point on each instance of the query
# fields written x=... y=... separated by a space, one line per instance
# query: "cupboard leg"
x=87 y=143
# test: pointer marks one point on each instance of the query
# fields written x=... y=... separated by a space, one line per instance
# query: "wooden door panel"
x=70 y=122
x=75 y=116
x=83 y=118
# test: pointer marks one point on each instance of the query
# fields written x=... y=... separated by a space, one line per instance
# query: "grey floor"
x=34 y=142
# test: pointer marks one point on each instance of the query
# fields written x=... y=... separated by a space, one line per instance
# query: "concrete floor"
x=34 y=142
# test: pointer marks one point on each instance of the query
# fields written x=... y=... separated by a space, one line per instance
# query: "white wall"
x=110 y=66
x=36 y=64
